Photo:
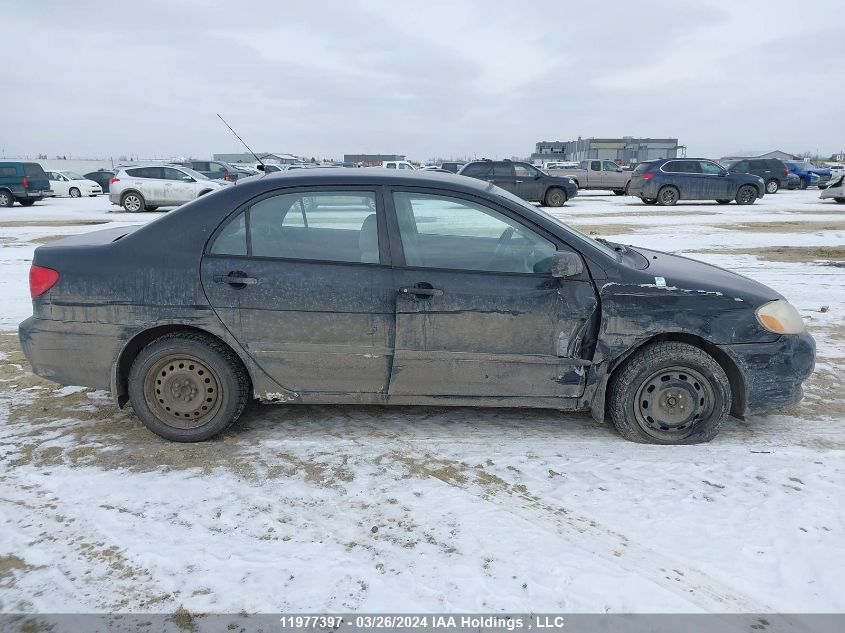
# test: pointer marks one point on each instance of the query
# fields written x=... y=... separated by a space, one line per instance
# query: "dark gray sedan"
x=403 y=287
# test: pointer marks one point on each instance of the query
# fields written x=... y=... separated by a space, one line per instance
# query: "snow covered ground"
x=305 y=508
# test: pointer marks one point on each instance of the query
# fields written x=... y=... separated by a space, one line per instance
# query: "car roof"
x=374 y=176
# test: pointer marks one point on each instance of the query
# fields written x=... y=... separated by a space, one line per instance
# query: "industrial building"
x=627 y=149
x=267 y=157
x=370 y=160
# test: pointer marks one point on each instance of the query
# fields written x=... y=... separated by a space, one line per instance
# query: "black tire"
x=26 y=203
x=169 y=374
x=668 y=196
x=772 y=185
x=840 y=200
x=74 y=193
x=555 y=197
x=626 y=187
x=723 y=201
x=665 y=376
x=6 y=198
x=804 y=184
x=649 y=200
x=619 y=192
x=150 y=208
x=133 y=202
x=746 y=194
x=822 y=187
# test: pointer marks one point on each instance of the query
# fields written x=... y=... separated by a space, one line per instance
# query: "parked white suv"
x=148 y=187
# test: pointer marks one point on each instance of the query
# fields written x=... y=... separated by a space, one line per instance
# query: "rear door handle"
x=421 y=291
x=236 y=278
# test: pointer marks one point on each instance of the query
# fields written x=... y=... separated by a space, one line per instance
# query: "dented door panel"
x=489 y=335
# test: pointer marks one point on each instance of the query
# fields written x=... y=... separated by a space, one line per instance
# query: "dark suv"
x=22 y=182
x=773 y=172
x=666 y=181
x=523 y=180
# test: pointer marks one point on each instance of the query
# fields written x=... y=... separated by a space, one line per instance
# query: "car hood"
x=677 y=274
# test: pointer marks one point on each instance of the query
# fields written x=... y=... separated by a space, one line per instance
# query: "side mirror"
x=619 y=169
x=538 y=176
x=566 y=264
x=187 y=179
x=723 y=173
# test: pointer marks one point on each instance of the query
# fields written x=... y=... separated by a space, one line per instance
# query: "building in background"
x=267 y=157
x=626 y=150
x=370 y=160
x=773 y=154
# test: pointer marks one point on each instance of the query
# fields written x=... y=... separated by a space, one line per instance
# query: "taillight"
x=226 y=176
x=41 y=279
x=25 y=182
x=785 y=171
x=648 y=175
x=113 y=180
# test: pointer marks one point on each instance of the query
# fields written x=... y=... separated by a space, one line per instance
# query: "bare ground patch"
x=831 y=254
x=11 y=224
x=807 y=226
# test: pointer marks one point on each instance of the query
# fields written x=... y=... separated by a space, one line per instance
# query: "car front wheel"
x=74 y=193
x=555 y=197
x=746 y=194
x=188 y=387
x=772 y=186
x=669 y=393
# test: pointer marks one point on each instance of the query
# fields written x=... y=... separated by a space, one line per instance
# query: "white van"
x=397 y=164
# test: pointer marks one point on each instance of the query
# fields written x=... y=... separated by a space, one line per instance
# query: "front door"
x=611 y=177
x=176 y=189
x=528 y=182
x=477 y=312
x=300 y=280
x=714 y=182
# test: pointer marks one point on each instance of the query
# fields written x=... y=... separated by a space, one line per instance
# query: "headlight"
x=780 y=317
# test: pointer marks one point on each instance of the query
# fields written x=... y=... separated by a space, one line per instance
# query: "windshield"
x=610 y=252
x=195 y=174
x=72 y=175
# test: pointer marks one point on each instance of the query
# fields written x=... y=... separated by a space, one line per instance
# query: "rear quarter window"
x=33 y=170
x=8 y=171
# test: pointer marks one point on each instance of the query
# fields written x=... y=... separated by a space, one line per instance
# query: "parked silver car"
x=148 y=187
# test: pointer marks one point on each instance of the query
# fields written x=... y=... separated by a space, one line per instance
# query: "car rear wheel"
x=669 y=393
x=555 y=197
x=6 y=198
x=188 y=387
x=803 y=184
x=668 y=196
x=746 y=194
x=133 y=202
x=74 y=192
x=649 y=200
x=772 y=186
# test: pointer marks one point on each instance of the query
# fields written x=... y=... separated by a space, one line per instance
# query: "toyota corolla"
x=403 y=288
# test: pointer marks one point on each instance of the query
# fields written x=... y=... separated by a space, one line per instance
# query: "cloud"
x=425 y=79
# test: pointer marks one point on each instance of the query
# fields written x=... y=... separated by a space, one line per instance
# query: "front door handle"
x=421 y=291
x=236 y=278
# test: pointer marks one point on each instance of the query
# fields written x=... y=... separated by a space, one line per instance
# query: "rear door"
x=503 y=176
x=302 y=279
x=477 y=312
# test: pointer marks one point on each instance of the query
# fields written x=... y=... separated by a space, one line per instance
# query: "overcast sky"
x=425 y=78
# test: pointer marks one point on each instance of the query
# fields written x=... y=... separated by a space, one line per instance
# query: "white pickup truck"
x=597 y=174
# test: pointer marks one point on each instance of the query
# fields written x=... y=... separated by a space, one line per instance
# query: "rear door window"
x=595 y=165
x=334 y=226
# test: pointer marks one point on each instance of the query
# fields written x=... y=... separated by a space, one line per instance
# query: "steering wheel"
x=502 y=244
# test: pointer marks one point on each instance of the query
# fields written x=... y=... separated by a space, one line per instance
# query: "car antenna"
x=260 y=162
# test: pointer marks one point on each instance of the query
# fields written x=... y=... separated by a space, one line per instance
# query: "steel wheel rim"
x=772 y=187
x=672 y=401
x=4 y=198
x=74 y=193
x=182 y=391
x=132 y=203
